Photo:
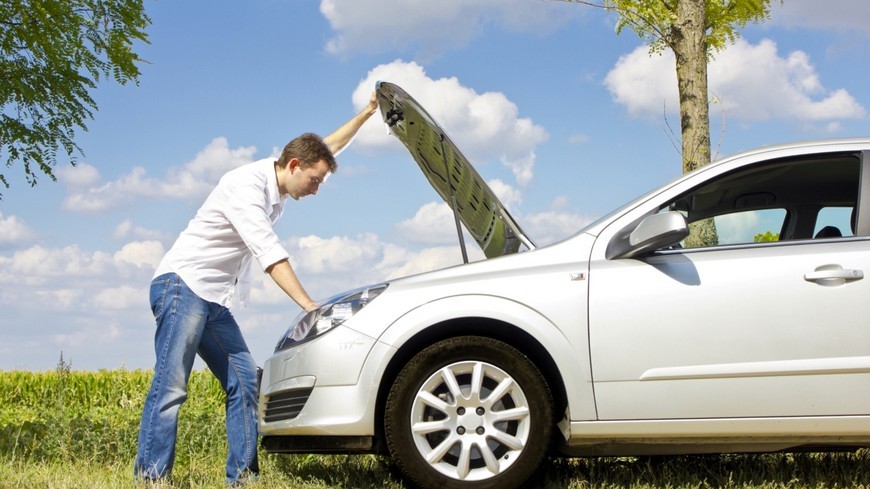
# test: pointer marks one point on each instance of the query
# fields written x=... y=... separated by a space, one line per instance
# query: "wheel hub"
x=470 y=420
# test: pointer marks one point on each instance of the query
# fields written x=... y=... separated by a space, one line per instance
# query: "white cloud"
x=63 y=299
x=578 y=139
x=191 y=181
x=126 y=229
x=81 y=175
x=327 y=266
x=751 y=82
x=838 y=15
x=554 y=225
x=85 y=337
x=121 y=297
x=484 y=126
x=434 y=259
x=267 y=324
x=14 y=232
x=644 y=84
x=508 y=195
x=335 y=254
x=74 y=299
x=71 y=300
x=432 y=224
x=70 y=270
x=199 y=176
x=432 y=27
x=141 y=253
x=37 y=264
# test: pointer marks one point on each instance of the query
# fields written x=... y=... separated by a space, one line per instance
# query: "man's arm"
x=283 y=275
x=342 y=136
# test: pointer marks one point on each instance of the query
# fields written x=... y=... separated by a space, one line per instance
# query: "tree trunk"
x=689 y=40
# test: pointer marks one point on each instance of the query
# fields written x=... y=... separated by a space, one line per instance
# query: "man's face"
x=298 y=182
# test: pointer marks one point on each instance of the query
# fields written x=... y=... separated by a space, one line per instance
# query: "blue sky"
x=564 y=118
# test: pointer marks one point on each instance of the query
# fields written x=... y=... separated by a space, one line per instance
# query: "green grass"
x=68 y=429
x=369 y=472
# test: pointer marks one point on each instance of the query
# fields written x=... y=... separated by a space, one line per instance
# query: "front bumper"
x=323 y=444
x=326 y=387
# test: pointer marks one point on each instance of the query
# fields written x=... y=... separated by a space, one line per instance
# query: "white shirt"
x=213 y=254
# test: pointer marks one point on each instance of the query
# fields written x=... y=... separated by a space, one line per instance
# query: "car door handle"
x=833 y=276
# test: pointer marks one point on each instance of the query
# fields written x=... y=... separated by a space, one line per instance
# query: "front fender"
x=569 y=352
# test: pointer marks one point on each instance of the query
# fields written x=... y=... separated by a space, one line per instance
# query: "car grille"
x=286 y=405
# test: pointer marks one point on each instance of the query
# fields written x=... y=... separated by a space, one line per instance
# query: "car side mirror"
x=651 y=233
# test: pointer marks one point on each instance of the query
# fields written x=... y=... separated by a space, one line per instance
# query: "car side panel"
x=568 y=347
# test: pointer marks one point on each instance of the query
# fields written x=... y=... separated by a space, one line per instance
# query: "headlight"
x=331 y=313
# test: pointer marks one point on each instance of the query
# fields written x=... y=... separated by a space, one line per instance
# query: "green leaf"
x=53 y=54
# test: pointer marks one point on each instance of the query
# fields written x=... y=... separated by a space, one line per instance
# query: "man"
x=197 y=279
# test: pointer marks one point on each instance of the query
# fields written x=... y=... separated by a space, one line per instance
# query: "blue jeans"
x=187 y=325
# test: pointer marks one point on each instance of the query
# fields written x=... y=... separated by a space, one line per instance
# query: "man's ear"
x=293 y=164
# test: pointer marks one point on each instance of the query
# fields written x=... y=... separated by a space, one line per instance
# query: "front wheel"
x=469 y=413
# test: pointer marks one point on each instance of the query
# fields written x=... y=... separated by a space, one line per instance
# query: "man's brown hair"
x=309 y=148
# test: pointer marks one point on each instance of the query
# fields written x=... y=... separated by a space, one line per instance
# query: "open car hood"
x=473 y=202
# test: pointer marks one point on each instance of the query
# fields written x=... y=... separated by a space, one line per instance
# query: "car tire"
x=469 y=413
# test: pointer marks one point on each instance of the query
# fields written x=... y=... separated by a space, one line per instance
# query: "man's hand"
x=373 y=102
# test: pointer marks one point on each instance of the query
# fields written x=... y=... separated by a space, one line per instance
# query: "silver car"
x=636 y=336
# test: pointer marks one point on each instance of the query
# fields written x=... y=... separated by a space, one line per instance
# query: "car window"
x=835 y=218
x=755 y=226
x=791 y=199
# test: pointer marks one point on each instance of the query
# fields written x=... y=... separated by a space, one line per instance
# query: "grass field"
x=70 y=429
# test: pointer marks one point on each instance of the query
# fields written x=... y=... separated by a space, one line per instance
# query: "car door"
x=760 y=328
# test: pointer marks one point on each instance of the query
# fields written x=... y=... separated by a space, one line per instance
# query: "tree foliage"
x=766 y=237
x=52 y=54
x=656 y=21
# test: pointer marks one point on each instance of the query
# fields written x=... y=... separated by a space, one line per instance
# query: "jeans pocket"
x=159 y=289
